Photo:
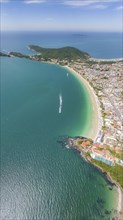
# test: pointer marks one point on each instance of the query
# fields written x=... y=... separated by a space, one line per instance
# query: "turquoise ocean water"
x=40 y=179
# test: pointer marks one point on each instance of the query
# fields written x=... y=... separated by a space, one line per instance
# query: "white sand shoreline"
x=95 y=126
x=106 y=60
x=120 y=202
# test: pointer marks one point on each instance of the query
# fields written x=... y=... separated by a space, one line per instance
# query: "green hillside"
x=68 y=53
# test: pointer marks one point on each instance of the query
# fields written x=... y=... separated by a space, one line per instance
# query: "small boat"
x=60 y=104
x=67 y=146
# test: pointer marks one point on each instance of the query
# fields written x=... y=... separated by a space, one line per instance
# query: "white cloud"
x=26 y=1
x=99 y=7
x=120 y=8
x=34 y=1
x=4 y=1
x=87 y=2
x=77 y=3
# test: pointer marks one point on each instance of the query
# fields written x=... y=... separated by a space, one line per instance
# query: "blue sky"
x=78 y=15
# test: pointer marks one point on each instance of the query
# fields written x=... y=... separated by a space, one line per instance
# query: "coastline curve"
x=96 y=124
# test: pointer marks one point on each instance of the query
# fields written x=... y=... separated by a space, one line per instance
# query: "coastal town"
x=106 y=80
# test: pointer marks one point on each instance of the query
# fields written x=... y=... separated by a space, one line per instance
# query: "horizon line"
x=101 y=31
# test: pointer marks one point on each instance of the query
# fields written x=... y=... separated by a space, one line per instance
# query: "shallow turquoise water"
x=40 y=178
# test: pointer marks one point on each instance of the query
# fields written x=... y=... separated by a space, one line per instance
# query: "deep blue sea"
x=98 y=45
x=41 y=179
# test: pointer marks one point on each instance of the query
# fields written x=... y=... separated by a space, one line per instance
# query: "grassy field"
x=116 y=172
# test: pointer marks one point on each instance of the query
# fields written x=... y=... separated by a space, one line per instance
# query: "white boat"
x=60 y=103
x=67 y=146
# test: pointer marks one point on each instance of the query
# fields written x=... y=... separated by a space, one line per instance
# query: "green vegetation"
x=104 y=77
x=65 y=53
x=87 y=154
x=4 y=54
x=79 y=142
x=91 y=62
x=103 y=128
x=116 y=172
x=122 y=94
x=17 y=54
x=103 y=114
x=107 y=62
x=120 y=156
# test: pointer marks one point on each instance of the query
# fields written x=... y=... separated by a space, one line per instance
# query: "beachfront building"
x=98 y=155
x=99 y=137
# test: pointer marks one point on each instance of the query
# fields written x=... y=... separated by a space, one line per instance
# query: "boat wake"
x=60 y=103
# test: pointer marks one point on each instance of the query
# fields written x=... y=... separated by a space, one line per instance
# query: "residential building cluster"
x=107 y=81
x=106 y=78
x=98 y=151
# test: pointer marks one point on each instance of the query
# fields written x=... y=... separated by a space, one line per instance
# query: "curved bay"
x=41 y=179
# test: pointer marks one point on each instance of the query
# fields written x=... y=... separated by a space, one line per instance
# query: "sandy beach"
x=94 y=129
x=95 y=124
x=106 y=60
x=120 y=202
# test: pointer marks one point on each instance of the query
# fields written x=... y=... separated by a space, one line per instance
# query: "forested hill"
x=69 y=53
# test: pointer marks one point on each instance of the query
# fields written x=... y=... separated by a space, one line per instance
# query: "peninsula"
x=64 y=54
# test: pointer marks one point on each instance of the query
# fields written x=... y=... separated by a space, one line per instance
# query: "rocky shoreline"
x=108 y=178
